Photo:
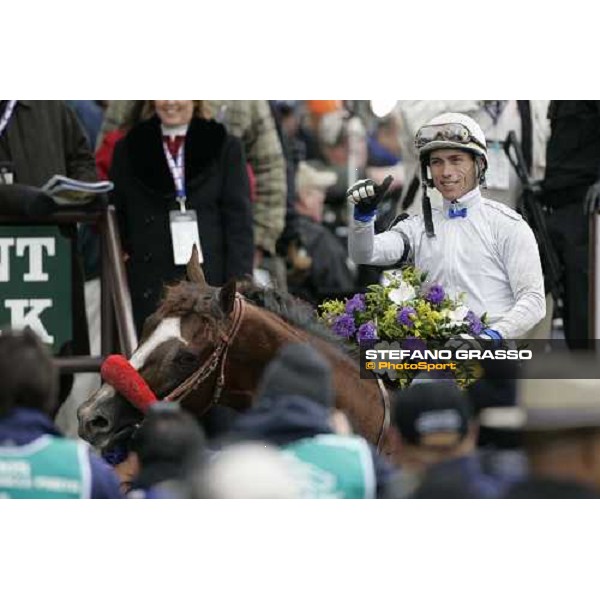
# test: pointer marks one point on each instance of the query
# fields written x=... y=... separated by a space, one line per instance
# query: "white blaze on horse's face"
x=166 y=330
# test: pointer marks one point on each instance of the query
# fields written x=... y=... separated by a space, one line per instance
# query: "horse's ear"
x=227 y=296
x=194 y=269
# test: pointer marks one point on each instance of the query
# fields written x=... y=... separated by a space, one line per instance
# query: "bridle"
x=385 y=425
x=216 y=361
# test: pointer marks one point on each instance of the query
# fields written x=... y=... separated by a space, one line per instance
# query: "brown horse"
x=207 y=346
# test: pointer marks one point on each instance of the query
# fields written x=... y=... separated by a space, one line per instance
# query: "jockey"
x=470 y=244
x=295 y=411
x=35 y=460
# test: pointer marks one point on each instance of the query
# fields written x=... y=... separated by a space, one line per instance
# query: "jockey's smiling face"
x=453 y=171
x=174 y=112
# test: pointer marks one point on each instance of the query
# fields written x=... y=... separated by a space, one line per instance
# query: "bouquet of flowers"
x=406 y=308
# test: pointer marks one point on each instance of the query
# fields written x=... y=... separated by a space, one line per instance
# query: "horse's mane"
x=184 y=298
x=294 y=311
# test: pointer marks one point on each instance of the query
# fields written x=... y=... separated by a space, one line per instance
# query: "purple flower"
x=412 y=343
x=367 y=331
x=403 y=316
x=344 y=326
x=475 y=324
x=435 y=294
x=356 y=303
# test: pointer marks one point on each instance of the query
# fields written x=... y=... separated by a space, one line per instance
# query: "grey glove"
x=366 y=194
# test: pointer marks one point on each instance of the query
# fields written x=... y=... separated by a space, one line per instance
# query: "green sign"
x=35 y=281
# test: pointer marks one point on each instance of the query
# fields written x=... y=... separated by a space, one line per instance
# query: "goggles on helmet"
x=447 y=132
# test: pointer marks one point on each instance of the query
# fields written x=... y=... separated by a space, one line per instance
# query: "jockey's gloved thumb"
x=366 y=195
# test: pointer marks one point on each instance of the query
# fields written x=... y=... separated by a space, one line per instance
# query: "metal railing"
x=115 y=307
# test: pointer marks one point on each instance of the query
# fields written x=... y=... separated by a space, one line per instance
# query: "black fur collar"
x=203 y=145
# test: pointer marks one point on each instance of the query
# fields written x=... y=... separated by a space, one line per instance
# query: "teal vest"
x=333 y=466
x=48 y=467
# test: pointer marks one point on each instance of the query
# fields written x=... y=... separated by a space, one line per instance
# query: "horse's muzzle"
x=105 y=418
x=95 y=421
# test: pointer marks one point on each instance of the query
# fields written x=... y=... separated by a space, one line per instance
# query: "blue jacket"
x=461 y=478
x=25 y=425
x=288 y=419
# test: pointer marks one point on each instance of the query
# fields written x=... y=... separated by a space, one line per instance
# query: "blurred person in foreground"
x=295 y=410
x=436 y=441
x=35 y=460
x=247 y=470
x=560 y=424
x=164 y=449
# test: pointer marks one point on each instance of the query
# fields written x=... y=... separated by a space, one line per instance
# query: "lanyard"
x=10 y=106
x=177 y=168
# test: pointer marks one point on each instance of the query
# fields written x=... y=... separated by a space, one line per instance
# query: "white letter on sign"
x=35 y=245
x=5 y=244
x=20 y=320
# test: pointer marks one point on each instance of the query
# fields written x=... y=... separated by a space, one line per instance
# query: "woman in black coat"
x=215 y=186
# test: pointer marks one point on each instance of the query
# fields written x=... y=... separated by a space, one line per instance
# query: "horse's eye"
x=186 y=358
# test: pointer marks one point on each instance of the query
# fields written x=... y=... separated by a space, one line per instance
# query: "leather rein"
x=217 y=361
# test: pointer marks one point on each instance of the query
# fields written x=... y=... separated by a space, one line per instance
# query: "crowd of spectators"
x=266 y=182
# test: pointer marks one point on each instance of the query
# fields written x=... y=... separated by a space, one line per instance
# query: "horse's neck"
x=264 y=333
x=270 y=332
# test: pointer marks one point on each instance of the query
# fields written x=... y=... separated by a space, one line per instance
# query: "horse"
x=206 y=346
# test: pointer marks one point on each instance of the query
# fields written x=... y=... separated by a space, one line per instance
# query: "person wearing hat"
x=164 y=450
x=470 y=244
x=558 y=415
x=295 y=410
x=436 y=435
x=329 y=272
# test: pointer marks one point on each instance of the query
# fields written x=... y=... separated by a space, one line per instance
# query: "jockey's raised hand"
x=366 y=195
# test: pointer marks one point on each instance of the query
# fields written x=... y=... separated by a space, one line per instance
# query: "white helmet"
x=449 y=130
x=452 y=130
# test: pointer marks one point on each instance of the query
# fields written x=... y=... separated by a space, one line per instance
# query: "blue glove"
x=464 y=341
x=492 y=334
x=115 y=455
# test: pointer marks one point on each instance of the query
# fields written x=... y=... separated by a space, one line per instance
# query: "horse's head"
x=177 y=340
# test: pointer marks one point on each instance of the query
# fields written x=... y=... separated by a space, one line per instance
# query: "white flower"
x=403 y=293
x=458 y=315
x=391 y=277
